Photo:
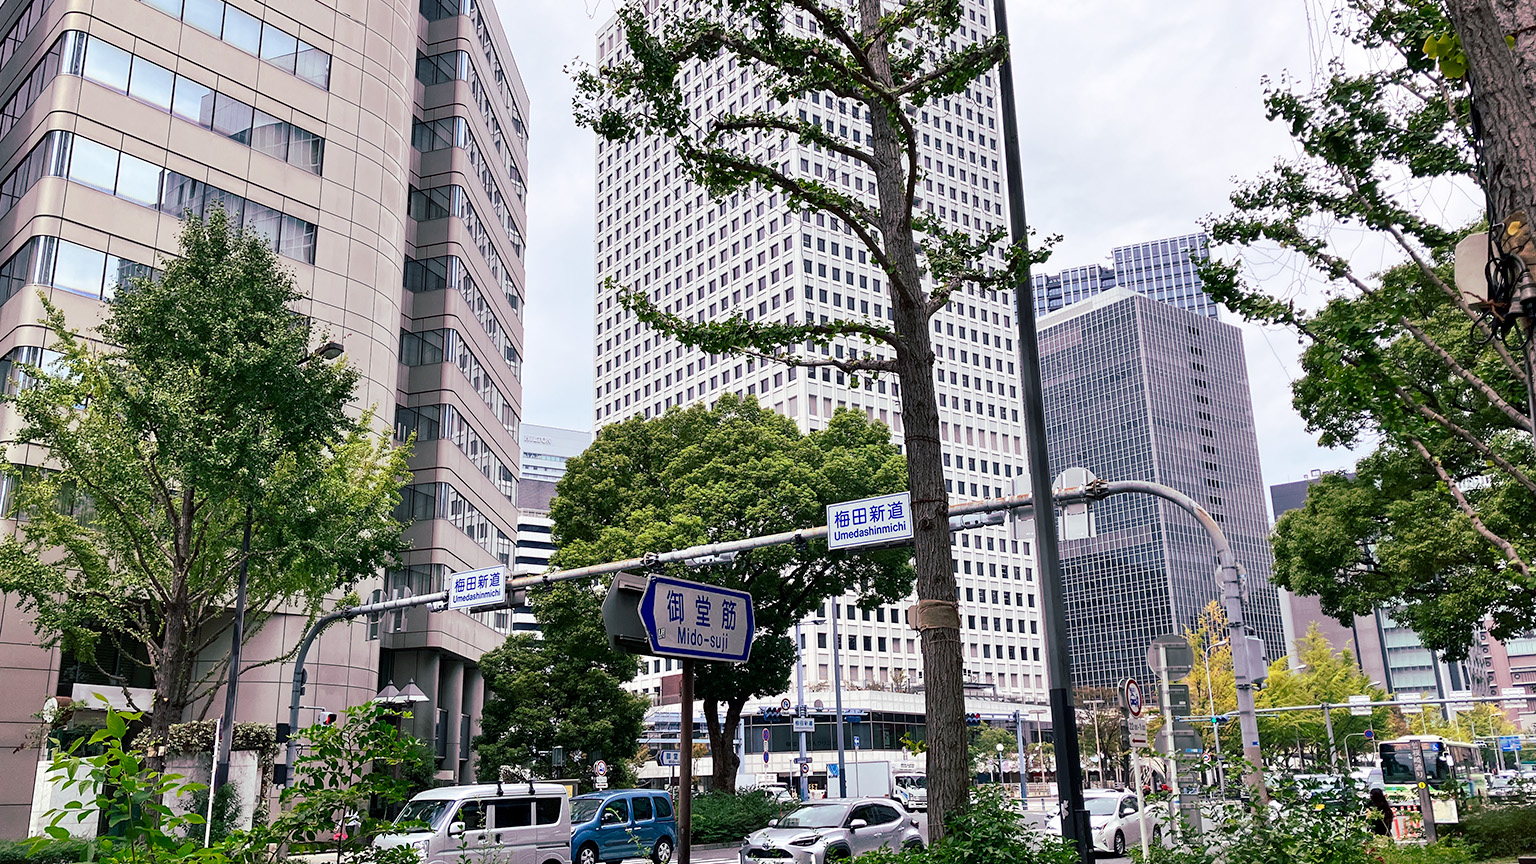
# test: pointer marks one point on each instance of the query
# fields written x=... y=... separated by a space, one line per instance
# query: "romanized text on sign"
x=691 y=619
x=477 y=587
x=869 y=521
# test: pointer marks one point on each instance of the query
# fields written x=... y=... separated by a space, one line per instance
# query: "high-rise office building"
x=1165 y=270
x=1136 y=389
x=546 y=449
x=752 y=255
x=381 y=148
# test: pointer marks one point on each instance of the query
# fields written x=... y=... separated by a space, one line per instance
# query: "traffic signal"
x=770 y=713
x=324 y=717
x=973 y=719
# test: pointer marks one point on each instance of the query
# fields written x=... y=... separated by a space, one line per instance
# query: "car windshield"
x=583 y=809
x=912 y=781
x=1102 y=805
x=430 y=812
x=816 y=816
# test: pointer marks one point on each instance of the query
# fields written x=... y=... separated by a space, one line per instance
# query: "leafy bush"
x=990 y=832
x=1499 y=832
x=44 y=850
x=1444 y=852
x=725 y=817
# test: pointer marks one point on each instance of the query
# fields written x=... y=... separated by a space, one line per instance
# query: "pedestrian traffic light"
x=973 y=719
x=324 y=717
x=770 y=713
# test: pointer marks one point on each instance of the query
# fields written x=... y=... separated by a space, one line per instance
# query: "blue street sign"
x=691 y=619
x=670 y=757
x=1509 y=743
x=832 y=770
x=869 y=521
x=855 y=742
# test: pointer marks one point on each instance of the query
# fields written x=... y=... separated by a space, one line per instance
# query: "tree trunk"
x=943 y=665
x=1503 y=94
x=722 y=750
x=170 y=684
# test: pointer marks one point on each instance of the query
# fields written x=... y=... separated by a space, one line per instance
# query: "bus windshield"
x=1397 y=762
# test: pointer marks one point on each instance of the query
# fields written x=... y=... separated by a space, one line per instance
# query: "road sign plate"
x=691 y=619
x=869 y=521
x=1356 y=709
x=784 y=704
x=600 y=783
x=1410 y=703
x=670 y=757
x=805 y=767
x=1133 y=697
x=1138 y=730
x=1509 y=743
x=600 y=768
x=805 y=724
x=1514 y=697
x=855 y=742
x=477 y=587
x=1170 y=655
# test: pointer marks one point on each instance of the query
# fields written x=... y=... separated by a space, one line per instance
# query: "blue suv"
x=622 y=823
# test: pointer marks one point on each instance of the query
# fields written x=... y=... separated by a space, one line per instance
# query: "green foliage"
x=1326 y=677
x=342 y=769
x=990 y=832
x=1440 y=521
x=118 y=784
x=984 y=741
x=726 y=817
x=562 y=690
x=226 y=813
x=711 y=475
x=195 y=415
x=45 y=850
x=1497 y=832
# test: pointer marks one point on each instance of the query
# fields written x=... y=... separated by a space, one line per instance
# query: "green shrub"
x=1499 y=832
x=1445 y=852
x=44 y=850
x=724 y=817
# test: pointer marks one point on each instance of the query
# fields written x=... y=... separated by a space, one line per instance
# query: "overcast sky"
x=1136 y=118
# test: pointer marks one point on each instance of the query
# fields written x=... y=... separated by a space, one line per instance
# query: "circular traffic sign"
x=784 y=704
x=805 y=767
x=600 y=767
x=1133 y=701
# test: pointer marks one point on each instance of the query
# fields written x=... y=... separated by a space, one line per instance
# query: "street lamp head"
x=999 y=748
x=412 y=694
x=388 y=696
x=328 y=351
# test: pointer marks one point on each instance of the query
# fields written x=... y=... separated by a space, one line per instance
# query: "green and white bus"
x=1452 y=770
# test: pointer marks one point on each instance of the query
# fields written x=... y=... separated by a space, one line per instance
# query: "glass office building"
x=1136 y=389
x=1164 y=270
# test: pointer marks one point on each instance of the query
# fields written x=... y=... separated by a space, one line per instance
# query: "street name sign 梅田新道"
x=869 y=521
x=477 y=587
x=697 y=621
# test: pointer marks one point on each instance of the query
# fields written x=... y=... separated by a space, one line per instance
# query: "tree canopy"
x=1439 y=519
x=192 y=411
x=707 y=475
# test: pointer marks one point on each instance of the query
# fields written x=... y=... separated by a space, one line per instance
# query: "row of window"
x=442 y=202
x=427 y=347
x=455 y=66
x=22 y=29
x=253 y=36
x=56 y=263
x=433 y=422
x=83 y=161
x=110 y=66
x=448 y=273
x=421 y=502
x=431 y=135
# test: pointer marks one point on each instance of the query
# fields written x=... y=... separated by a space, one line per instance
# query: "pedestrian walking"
x=1380 y=813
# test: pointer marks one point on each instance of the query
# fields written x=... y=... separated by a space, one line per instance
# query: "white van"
x=490 y=823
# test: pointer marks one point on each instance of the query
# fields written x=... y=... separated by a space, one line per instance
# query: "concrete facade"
x=382 y=145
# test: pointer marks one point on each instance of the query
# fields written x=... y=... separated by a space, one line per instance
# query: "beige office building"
x=381 y=145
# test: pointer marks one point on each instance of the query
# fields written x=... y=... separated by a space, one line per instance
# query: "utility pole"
x=837 y=703
x=1058 y=642
x=685 y=768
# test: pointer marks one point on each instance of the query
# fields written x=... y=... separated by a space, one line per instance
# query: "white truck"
x=879 y=780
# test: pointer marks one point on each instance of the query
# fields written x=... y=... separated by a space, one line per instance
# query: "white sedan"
x=1114 y=821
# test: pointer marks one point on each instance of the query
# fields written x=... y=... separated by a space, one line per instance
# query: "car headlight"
x=422 y=844
x=805 y=841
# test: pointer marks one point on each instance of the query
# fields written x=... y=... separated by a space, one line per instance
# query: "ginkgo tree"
x=886 y=63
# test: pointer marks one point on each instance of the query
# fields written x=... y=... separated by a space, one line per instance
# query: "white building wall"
x=749 y=255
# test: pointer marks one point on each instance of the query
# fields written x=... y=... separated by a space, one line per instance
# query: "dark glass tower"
x=1141 y=390
x=1161 y=269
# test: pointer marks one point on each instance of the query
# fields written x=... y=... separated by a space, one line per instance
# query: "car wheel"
x=587 y=855
x=1119 y=844
x=839 y=853
x=913 y=845
x=1157 y=837
x=661 y=853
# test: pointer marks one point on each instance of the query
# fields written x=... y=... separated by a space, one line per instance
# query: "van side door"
x=512 y=833
x=613 y=829
x=644 y=815
x=473 y=815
